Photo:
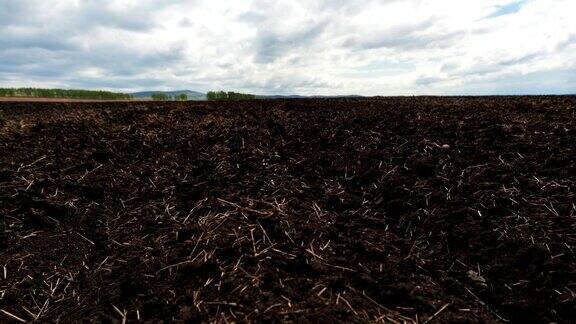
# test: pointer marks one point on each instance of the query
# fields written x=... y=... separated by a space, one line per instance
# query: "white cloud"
x=369 y=47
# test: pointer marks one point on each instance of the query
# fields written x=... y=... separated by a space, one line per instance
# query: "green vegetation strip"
x=62 y=93
x=221 y=95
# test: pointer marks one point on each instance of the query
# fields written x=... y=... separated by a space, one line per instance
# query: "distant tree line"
x=181 y=97
x=160 y=96
x=62 y=93
x=222 y=95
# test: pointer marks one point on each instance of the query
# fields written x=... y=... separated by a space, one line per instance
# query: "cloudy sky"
x=330 y=47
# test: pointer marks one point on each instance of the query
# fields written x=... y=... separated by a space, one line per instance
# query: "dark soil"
x=349 y=210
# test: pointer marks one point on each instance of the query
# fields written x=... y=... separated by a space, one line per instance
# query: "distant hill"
x=192 y=95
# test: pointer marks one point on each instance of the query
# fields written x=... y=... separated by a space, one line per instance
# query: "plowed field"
x=334 y=210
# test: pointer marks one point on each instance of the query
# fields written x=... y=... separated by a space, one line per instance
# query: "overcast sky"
x=330 y=47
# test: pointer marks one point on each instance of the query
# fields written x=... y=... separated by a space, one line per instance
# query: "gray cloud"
x=39 y=40
x=451 y=71
x=277 y=35
x=519 y=60
x=414 y=36
x=38 y=46
x=86 y=15
x=271 y=45
x=111 y=61
x=495 y=66
x=17 y=12
x=185 y=22
x=94 y=13
x=427 y=80
x=449 y=66
x=284 y=85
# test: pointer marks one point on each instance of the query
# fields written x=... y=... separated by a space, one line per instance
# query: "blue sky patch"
x=508 y=9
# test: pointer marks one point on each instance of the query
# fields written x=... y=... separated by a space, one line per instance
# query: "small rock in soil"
x=476 y=278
